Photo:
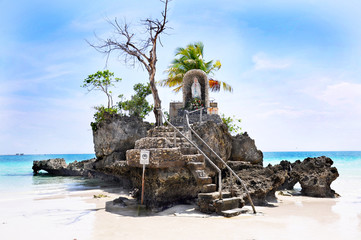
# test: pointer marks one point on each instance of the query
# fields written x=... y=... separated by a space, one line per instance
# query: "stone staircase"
x=227 y=206
x=169 y=149
x=194 y=161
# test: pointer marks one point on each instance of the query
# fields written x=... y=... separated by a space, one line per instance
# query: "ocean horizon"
x=17 y=169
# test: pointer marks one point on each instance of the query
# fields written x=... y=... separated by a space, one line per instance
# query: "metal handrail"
x=206 y=157
x=200 y=113
x=195 y=110
x=219 y=158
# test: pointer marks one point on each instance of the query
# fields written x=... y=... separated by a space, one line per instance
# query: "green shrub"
x=100 y=115
x=232 y=124
x=138 y=105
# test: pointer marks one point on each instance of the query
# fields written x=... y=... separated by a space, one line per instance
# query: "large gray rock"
x=165 y=187
x=217 y=137
x=244 y=149
x=115 y=135
x=315 y=176
x=58 y=167
x=262 y=183
x=55 y=166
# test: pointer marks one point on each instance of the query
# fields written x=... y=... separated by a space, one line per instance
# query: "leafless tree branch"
x=134 y=51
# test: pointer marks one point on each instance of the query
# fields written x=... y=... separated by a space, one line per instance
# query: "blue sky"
x=294 y=67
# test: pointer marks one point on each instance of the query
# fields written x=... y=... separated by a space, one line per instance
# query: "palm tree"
x=190 y=58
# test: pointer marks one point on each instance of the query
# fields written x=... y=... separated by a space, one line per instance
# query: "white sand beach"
x=53 y=211
x=78 y=215
x=294 y=217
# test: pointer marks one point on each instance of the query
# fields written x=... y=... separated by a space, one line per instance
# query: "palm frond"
x=227 y=87
x=190 y=58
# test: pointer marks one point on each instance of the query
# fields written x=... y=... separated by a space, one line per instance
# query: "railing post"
x=200 y=115
x=220 y=184
x=175 y=139
x=231 y=184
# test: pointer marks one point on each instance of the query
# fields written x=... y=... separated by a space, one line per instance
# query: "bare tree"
x=134 y=51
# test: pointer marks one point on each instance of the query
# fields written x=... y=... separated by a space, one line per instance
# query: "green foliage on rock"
x=232 y=124
x=100 y=113
x=138 y=105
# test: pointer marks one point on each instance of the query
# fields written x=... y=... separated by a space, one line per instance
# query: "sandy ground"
x=293 y=217
x=79 y=215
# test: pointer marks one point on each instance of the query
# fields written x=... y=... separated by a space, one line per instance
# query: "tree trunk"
x=108 y=100
x=157 y=102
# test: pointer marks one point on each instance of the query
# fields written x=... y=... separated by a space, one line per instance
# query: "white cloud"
x=344 y=95
x=263 y=62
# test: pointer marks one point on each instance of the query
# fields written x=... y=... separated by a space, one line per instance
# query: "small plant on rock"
x=232 y=124
x=100 y=115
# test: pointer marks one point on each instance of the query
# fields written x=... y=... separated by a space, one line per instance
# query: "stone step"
x=196 y=165
x=213 y=195
x=158 y=158
x=208 y=188
x=153 y=142
x=180 y=140
x=163 y=134
x=204 y=180
x=193 y=158
x=227 y=204
x=210 y=202
x=184 y=143
x=165 y=129
x=189 y=150
x=232 y=212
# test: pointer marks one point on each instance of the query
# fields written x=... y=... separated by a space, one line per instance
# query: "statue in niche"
x=196 y=89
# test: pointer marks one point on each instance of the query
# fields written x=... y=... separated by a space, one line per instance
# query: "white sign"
x=144 y=157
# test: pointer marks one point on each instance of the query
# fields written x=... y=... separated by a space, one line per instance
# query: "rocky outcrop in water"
x=315 y=176
x=58 y=167
x=55 y=166
x=244 y=149
x=114 y=136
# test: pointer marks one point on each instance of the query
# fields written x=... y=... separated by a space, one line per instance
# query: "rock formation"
x=55 y=166
x=244 y=149
x=217 y=137
x=115 y=135
x=58 y=167
x=315 y=176
x=178 y=173
x=262 y=183
x=170 y=175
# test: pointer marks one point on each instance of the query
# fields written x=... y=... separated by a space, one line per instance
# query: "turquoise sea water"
x=16 y=173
